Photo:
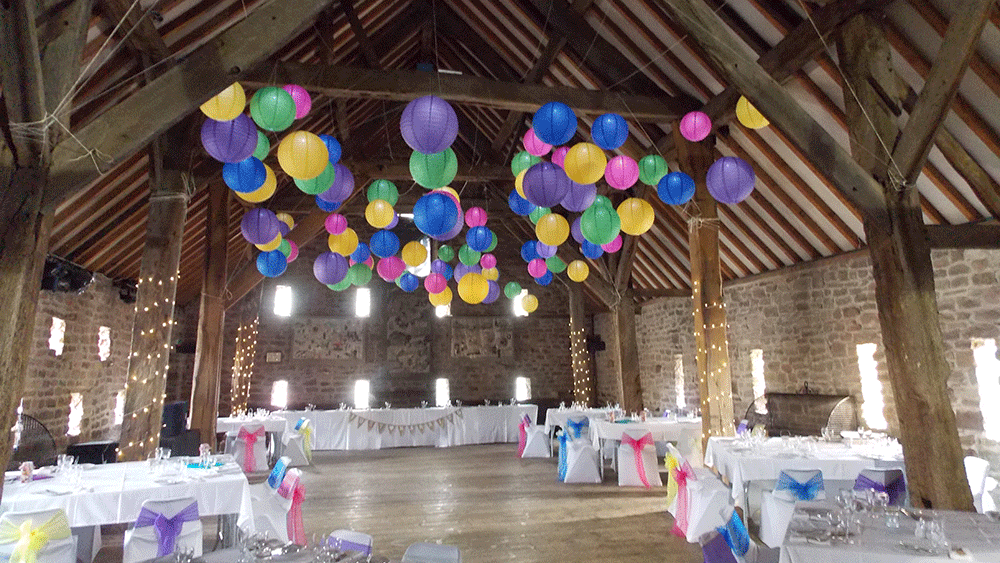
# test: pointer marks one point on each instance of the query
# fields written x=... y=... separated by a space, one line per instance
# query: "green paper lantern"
x=512 y=289
x=555 y=264
x=263 y=146
x=285 y=247
x=384 y=190
x=433 y=171
x=468 y=256
x=523 y=161
x=493 y=244
x=342 y=284
x=600 y=224
x=359 y=274
x=272 y=108
x=538 y=213
x=446 y=253
x=319 y=184
x=651 y=168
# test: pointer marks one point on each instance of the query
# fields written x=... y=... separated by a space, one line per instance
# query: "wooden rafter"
x=142 y=36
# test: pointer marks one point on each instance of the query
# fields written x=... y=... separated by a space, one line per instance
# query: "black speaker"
x=174 y=419
x=94 y=452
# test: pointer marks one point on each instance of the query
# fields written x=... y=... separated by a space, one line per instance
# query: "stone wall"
x=664 y=333
x=51 y=379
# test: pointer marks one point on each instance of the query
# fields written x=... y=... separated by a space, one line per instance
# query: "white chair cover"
x=88 y=542
x=349 y=540
x=294 y=444
x=238 y=449
x=708 y=499
x=537 y=442
x=432 y=553
x=270 y=511
x=582 y=463
x=61 y=550
x=776 y=507
x=977 y=471
x=885 y=477
x=141 y=544
x=628 y=473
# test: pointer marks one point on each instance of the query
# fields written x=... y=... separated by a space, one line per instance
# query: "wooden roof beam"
x=143 y=37
x=367 y=52
x=970 y=235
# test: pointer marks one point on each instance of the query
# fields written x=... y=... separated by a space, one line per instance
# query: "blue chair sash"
x=563 y=458
x=277 y=474
x=299 y=423
x=736 y=535
x=576 y=427
x=801 y=491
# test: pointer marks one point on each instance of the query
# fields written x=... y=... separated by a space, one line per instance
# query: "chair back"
x=291 y=488
x=889 y=481
x=734 y=532
x=800 y=484
x=162 y=527
x=301 y=422
x=577 y=426
x=278 y=473
x=250 y=449
x=976 y=469
x=431 y=553
x=43 y=536
x=349 y=540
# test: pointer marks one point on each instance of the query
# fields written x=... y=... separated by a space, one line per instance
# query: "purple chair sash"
x=166 y=529
x=896 y=489
x=348 y=545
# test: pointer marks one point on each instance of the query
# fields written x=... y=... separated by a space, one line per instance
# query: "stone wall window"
x=283 y=300
x=872 y=407
x=75 y=414
x=104 y=343
x=679 y=380
x=279 y=394
x=984 y=352
x=119 y=407
x=442 y=392
x=442 y=311
x=362 y=394
x=757 y=377
x=522 y=389
x=363 y=302
x=57 y=335
x=516 y=303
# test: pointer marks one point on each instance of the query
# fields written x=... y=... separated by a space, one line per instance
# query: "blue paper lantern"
x=609 y=131
x=384 y=243
x=244 y=176
x=408 y=282
x=330 y=268
x=591 y=250
x=435 y=214
x=479 y=238
x=544 y=280
x=332 y=147
x=676 y=188
x=442 y=267
x=361 y=253
x=529 y=251
x=271 y=264
x=328 y=206
x=519 y=205
x=554 y=123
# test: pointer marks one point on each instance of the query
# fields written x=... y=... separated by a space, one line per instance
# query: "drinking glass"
x=935 y=532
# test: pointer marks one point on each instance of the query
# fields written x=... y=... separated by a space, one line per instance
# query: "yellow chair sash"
x=672 y=464
x=28 y=540
x=306 y=431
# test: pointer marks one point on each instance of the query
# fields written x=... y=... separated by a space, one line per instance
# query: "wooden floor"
x=492 y=505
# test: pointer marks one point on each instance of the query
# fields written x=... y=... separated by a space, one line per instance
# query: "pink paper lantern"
x=435 y=283
x=303 y=102
x=695 y=126
x=390 y=268
x=335 y=223
x=488 y=261
x=475 y=217
x=537 y=268
x=559 y=156
x=294 y=253
x=534 y=145
x=621 y=172
x=613 y=246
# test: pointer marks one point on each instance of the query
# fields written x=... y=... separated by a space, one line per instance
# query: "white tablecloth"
x=275 y=424
x=390 y=428
x=878 y=544
x=114 y=493
x=838 y=461
x=557 y=417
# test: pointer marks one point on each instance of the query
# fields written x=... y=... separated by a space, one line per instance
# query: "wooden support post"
x=583 y=380
x=211 y=317
x=148 y=361
x=628 y=352
x=711 y=345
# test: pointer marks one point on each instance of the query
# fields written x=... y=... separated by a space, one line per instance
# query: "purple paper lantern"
x=395 y=221
x=493 y=293
x=462 y=269
x=260 y=226
x=576 y=231
x=441 y=267
x=545 y=250
x=545 y=184
x=330 y=268
x=429 y=125
x=229 y=141
x=730 y=180
x=579 y=197
x=343 y=185
x=695 y=126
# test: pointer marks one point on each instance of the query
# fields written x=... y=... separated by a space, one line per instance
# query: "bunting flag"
x=421 y=427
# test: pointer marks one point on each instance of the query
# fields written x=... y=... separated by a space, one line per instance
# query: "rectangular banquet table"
x=557 y=417
x=273 y=424
x=975 y=533
x=685 y=432
x=114 y=493
x=739 y=465
x=374 y=429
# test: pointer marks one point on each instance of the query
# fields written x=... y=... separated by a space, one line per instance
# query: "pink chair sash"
x=293 y=489
x=682 y=475
x=249 y=440
x=637 y=447
x=522 y=434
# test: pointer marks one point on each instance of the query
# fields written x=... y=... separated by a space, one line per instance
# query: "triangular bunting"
x=381 y=428
x=371 y=424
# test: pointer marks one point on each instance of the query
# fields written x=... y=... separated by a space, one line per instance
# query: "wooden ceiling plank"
x=360 y=35
x=143 y=38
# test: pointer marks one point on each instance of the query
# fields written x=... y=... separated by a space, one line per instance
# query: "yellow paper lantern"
x=379 y=213
x=275 y=243
x=439 y=299
x=636 y=216
x=265 y=191
x=227 y=104
x=749 y=116
x=552 y=229
x=345 y=243
x=302 y=155
x=578 y=270
x=473 y=288
x=285 y=217
x=529 y=303
x=585 y=163
x=491 y=274
x=519 y=183
x=450 y=190
x=414 y=254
